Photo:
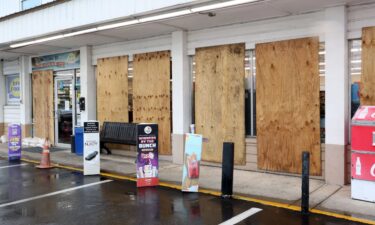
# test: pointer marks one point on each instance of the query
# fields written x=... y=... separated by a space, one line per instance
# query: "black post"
x=305 y=182
x=227 y=170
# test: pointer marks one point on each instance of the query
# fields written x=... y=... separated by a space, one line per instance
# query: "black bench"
x=118 y=133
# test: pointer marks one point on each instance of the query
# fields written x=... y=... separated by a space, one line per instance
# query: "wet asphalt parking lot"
x=57 y=196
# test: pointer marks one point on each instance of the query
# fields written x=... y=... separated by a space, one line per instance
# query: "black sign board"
x=91 y=127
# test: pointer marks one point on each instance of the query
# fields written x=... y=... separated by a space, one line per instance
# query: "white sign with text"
x=91 y=148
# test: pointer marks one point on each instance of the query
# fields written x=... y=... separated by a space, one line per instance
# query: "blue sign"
x=192 y=158
x=14 y=142
x=62 y=61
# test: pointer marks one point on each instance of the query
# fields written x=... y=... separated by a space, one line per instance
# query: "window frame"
x=23 y=1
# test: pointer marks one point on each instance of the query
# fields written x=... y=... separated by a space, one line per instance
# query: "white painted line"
x=241 y=216
x=53 y=193
x=22 y=164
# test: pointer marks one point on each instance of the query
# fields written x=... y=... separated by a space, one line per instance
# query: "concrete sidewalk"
x=264 y=186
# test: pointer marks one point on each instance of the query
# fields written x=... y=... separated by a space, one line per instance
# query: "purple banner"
x=147 y=159
x=14 y=141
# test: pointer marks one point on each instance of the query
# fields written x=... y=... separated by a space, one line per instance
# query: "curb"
x=217 y=193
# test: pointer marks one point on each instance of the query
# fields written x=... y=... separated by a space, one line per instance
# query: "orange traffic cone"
x=45 y=162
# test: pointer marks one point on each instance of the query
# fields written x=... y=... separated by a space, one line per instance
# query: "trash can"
x=79 y=140
x=72 y=143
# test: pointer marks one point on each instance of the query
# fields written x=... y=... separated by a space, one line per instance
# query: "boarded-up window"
x=43 y=108
x=112 y=89
x=368 y=66
x=220 y=99
x=288 y=104
x=151 y=94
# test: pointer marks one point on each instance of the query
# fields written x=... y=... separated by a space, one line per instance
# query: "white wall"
x=77 y=13
x=359 y=17
x=290 y=27
x=11 y=67
x=160 y=43
x=12 y=114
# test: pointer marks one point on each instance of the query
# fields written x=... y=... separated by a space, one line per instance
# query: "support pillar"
x=2 y=97
x=337 y=93
x=181 y=94
x=25 y=100
x=88 y=84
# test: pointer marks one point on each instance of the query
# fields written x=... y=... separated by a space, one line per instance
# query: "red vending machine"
x=363 y=154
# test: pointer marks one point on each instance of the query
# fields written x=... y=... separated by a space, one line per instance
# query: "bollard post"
x=305 y=183
x=227 y=170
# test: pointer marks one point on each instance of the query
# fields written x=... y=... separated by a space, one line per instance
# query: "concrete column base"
x=2 y=129
x=27 y=130
x=178 y=148
x=335 y=168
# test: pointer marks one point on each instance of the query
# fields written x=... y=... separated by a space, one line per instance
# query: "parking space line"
x=242 y=216
x=217 y=193
x=22 y=164
x=53 y=193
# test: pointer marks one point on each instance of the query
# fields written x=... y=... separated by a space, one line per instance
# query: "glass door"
x=64 y=108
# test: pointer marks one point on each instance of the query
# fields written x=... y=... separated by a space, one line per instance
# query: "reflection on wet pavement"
x=120 y=202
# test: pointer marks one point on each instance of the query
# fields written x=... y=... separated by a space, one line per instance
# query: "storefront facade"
x=165 y=76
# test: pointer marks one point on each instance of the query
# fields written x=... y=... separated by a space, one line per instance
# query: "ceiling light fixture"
x=165 y=16
x=116 y=25
x=80 y=32
x=221 y=5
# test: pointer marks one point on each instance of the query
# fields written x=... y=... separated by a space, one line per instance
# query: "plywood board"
x=112 y=89
x=220 y=99
x=367 y=92
x=43 y=108
x=152 y=94
x=287 y=105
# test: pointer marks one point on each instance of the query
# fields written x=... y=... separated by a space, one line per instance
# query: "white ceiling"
x=245 y=13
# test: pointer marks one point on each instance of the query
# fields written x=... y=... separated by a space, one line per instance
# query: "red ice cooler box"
x=363 y=154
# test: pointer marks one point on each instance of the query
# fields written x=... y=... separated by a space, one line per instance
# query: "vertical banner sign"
x=91 y=150
x=192 y=158
x=147 y=159
x=14 y=143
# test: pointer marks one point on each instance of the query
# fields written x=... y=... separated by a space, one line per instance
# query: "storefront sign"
x=91 y=148
x=13 y=88
x=148 y=158
x=14 y=142
x=192 y=158
x=363 y=166
x=62 y=61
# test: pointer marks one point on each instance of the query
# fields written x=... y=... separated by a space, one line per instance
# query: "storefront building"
x=276 y=80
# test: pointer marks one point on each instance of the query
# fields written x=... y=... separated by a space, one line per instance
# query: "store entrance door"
x=64 y=108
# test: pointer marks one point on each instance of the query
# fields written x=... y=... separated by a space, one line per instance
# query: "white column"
x=88 y=84
x=181 y=98
x=25 y=100
x=2 y=97
x=337 y=93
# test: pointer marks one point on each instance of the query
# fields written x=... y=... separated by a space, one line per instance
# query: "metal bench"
x=117 y=133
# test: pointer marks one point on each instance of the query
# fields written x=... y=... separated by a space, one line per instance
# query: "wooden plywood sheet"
x=152 y=94
x=112 y=89
x=220 y=99
x=287 y=105
x=367 y=93
x=43 y=108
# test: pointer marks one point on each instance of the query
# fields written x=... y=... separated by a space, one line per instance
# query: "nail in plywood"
x=151 y=94
x=220 y=99
x=287 y=105
x=112 y=89
x=43 y=108
x=368 y=66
